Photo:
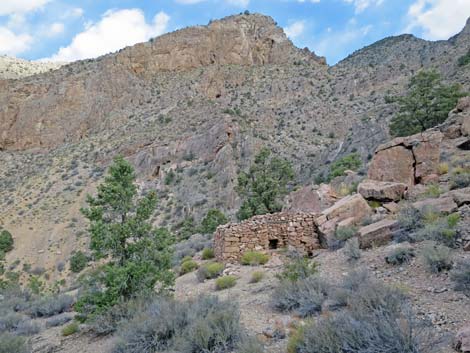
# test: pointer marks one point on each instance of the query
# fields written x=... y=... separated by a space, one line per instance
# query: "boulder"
x=443 y=204
x=391 y=207
x=310 y=199
x=381 y=190
x=460 y=196
x=462 y=340
x=348 y=211
x=378 y=233
x=409 y=160
x=393 y=164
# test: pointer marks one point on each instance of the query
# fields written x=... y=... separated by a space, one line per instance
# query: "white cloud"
x=240 y=3
x=13 y=44
x=56 y=29
x=438 y=18
x=9 y=7
x=361 y=5
x=295 y=29
x=313 y=1
x=114 y=31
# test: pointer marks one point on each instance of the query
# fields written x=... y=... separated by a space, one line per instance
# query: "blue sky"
x=66 y=30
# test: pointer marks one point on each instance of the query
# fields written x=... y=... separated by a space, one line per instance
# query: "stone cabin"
x=266 y=232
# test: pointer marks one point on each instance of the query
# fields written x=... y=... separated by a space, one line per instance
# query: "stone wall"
x=262 y=233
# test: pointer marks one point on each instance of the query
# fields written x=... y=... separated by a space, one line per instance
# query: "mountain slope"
x=190 y=109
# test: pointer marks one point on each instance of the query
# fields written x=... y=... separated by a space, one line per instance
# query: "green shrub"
x=460 y=178
x=350 y=162
x=345 y=233
x=209 y=271
x=461 y=276
x=212 y=220
x=433 y=191
x=70 y=329
x=225 y=282
x=254 y=258
x=437 y=257
x=13 y=344
x=188 y=266
x=78 y=262
x=207 y=254
x=256 y=277
x=298 y=268
x=6 y=241
x=400 y=256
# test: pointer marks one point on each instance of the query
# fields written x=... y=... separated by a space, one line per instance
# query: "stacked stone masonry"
x=266 y=232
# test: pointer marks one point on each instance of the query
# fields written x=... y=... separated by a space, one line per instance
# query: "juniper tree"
x=427 y=104
x=264 y=185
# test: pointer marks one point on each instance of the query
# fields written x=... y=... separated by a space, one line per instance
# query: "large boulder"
x=378 y=233
x=442 y=204
x=409 y=160
x=348 y=211
x=381 y=190
x=311 y=199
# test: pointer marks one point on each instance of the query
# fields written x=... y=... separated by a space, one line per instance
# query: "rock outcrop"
x=311 y=199
x=409 y=160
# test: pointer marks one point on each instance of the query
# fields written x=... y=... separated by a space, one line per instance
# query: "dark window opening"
x=273 y=243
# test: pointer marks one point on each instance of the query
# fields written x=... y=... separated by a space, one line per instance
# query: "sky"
x=66 y=30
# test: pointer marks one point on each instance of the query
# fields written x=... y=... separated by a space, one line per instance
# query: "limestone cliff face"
x=89 y=96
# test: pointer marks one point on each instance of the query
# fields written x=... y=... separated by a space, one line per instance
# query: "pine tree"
x=138 y=256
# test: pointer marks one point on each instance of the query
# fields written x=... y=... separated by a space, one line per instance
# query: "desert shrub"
x=400 y=256
x=13 y=344
x=250 y=345
x=212 y=220
x=433 y=190
x=461 y=276
x=188 y=266
x=304 y=297
x=350 y=162
x=254 y=258
x=78 y=262
x=6 y=241
x=439 y=228
x=443 y=168
x=58 y=320
x=203 y=325
x=207 y=254
x=9 y=321
x=225 y=282
x=70 y=329
x=209 y=271
x=341 y=235
x=460 y=178
x=409 y=219
x=352 y=250
x=27 y=328
x=50 y=306
x=367 y=324
x=256 y=277
x=298 y=268
x=464 y=59
x=437 y=257
x=189 y=247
